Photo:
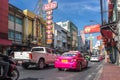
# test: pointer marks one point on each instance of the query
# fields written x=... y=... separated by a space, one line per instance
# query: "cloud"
x=91 y=8
x=79 y=6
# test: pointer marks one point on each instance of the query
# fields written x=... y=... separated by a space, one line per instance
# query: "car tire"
x=86 y=65
x=59 y=69
x=25 y=66
x=41 y=64
x=80 y=68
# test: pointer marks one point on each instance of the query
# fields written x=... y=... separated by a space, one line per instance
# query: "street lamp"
x=94 y=21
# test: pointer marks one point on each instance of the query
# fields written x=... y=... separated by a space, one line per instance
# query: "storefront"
x=108 y=32
x=4 y=45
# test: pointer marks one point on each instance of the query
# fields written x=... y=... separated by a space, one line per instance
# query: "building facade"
x=60 y=37
x=110 y=30
x=15 y=26
x=25 y=29
x=4 y=42
x=73 y=30
x=81 y=41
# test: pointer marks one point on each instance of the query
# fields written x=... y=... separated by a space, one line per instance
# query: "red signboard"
x=49 y=17
x=107 y=33
x=49 y=31
x=50 y=6
x=49 y=36
x=92 y=29
x=49 y=27
x=49 y=22
x=49 y=12
x=99 y=37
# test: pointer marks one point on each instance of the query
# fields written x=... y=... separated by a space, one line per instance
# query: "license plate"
x=64 y=61
x=20 y=62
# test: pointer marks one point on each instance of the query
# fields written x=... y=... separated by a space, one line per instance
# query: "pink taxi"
x=71 y=60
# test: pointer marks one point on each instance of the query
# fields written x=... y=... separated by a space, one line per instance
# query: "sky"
x=80 y=12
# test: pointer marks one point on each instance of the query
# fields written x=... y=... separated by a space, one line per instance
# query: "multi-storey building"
x=60 y=37
x=70 y=27
x=25 y=29
x=4 y=42
x=34 y=29
x=15 y=26
x=81 y=41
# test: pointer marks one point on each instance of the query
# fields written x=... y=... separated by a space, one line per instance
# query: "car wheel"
x=41 y=64
x=25 y=66
x=80 y=68
x=59 y=69
x=86 y=65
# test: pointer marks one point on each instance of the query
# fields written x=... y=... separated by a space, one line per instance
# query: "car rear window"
x=37 y=49
x=69 y=54
x=94 y=56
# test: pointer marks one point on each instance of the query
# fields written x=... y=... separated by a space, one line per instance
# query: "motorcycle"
x=13 y=72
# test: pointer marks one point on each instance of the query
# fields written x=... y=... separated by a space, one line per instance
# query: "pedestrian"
x=4 y=64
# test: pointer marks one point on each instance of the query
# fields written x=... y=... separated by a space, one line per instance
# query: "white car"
x=94 y=58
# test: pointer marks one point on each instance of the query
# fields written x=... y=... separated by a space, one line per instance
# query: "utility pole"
x=101 y=7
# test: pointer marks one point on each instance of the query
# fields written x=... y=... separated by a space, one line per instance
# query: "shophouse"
x=110 y=29
x=4 y=42
x=70 y=27
x=34 y=30
x=15 y=26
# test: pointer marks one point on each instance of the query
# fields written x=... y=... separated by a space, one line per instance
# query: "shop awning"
x=5 y=42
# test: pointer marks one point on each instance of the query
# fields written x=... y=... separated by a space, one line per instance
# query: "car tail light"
x=30 y=56
x=57 y=59
x=73 y=60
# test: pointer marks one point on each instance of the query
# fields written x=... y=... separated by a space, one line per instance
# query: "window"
x=18 y=36
x=19 y=20
x=11 y=17
x=37 y=49
x=48 y=50
x=69 y=54
x=11 y=34
x=64 y=24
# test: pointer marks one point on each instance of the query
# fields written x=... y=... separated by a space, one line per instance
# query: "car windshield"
x=69 y=54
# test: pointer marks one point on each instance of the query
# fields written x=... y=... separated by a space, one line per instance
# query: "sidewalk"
x=110 y=72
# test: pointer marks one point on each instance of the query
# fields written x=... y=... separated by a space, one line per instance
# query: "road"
x=51 y=73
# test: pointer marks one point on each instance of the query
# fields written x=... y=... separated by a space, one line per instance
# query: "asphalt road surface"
x=51 y=73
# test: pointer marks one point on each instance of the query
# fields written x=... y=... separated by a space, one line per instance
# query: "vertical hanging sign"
x=49 y=10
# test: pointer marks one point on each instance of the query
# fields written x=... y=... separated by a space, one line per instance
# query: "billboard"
x=49 y=27
x=92 y=29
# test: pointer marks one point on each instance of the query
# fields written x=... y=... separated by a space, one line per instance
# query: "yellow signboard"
x=49 y=41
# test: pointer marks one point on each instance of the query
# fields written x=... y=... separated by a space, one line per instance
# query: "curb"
x=98 y=74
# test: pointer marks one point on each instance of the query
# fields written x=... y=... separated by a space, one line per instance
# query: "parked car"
x=95 y=58
x=40 y=57
x=71 y=60
x=101 y=57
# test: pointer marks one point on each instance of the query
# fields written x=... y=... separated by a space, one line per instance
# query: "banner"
x=99 y=37
x=92 y=29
